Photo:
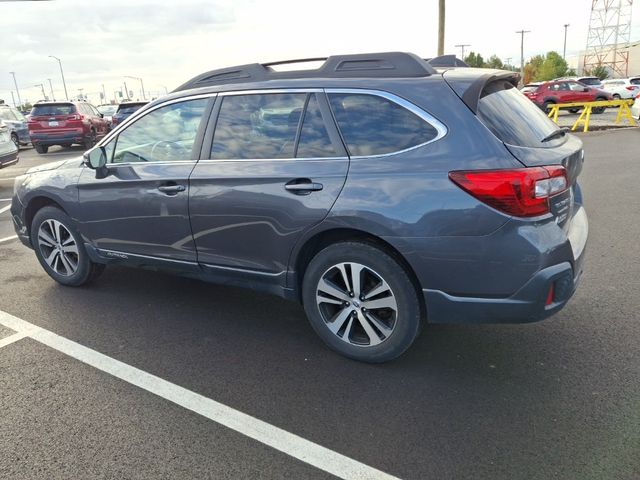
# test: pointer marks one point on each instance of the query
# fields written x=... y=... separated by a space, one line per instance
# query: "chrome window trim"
x=138 y=114
x=166 y=162
x=288 y=159
x=413 y=108
x=272 y=90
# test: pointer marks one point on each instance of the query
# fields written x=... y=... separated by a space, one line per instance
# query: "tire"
x=616 y=96
x=53 y=232
x=599 y=110
x=66 y=145
x=546 y=106
x=377 y=334
x=91 y=140
x=15 y=140
x=41 y=148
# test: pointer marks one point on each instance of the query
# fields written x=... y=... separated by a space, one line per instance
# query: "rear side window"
x=314 y=139
x=128 y=109
x=513 y=118
x=635 y=81
x=53 y=109
x=258 y=126
x=372 y=125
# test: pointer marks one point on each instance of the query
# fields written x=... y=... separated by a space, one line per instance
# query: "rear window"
x=513 y=118
x=129 y=109
x=590 y=81
x=372 y=125
x=53 y=109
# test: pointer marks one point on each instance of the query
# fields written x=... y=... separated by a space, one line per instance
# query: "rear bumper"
x=9 y=158
x=57 y=138
x=530 y=302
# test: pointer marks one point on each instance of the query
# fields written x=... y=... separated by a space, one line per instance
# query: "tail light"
x=632 y=87
x=77 y=116
x=522 y=192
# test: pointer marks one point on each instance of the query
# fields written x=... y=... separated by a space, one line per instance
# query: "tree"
x=494 y=62
x=570 y=73
x=474 y=60
x=553 y=66
x=600 y=71
x=531 y=69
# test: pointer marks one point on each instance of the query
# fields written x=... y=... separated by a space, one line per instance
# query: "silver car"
x=622 y=88
x=8 y=149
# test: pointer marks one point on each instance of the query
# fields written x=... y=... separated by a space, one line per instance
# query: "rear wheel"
x=41 y=148
x=616 y=96
x=60 y=250
x=546 y=106
x=15 y=140
x=91 y=140
x=361 y=302
x=599 y=110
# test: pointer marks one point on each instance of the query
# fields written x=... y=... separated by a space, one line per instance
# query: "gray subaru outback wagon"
x=377 y=190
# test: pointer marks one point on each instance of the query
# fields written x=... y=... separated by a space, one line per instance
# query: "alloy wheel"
x=58 y=247
x=356 y=304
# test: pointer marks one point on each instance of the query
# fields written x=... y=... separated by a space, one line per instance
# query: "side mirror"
x=96 y=158
x=102 y=115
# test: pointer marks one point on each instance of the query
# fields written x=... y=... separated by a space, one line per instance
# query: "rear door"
x=140 y=205
x=274 y=168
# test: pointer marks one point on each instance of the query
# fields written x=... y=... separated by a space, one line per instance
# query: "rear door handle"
x=303 y=186
x=172 y=189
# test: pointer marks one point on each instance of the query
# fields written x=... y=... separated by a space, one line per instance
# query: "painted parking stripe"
x=5 y=199
x=286 y=442
x=12 y=338
x=6 y=239
x=4 y=209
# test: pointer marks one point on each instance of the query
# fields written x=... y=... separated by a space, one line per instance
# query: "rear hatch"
x=529 y=135
x=54 y=118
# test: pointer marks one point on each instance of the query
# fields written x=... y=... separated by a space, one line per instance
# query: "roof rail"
x=446 y=61
x=370 y=65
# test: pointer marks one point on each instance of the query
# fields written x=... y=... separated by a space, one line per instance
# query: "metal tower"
x=609 y=36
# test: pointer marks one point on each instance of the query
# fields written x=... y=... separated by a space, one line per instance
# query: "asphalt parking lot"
x=137 y=375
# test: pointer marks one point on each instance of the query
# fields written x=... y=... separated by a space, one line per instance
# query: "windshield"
x=128 y=109
x=53 y=109
x=591 y=81
x=107 y=109
x=513 y=118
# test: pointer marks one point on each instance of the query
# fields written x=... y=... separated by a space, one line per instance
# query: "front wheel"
x=60 y=250
x=41 y=148
x=599 y=110
x=361 y=302
x=15 y=140
x=91 y=140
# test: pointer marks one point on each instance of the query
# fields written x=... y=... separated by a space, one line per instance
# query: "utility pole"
x=441 y=8
x=522 y=32
x=564 y=49
x=66 y=95
x=13 y=99
x=461 y=47
x=53 y=97
x=44 y=95
x=16 y=85
x=144 y=97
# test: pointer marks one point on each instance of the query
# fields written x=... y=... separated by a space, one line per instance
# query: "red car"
x=564 y=91
x=65 y=124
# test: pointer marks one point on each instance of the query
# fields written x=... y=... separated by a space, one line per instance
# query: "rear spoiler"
x=470 y=89
x=446 y=61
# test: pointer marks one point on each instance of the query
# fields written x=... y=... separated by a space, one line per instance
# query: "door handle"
x=303 y=186
x=172 y=189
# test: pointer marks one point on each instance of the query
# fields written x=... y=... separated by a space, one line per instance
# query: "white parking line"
x=6 y=239
x=4 y=209
x=5 y=199
x=12 y=338
x=286 y=442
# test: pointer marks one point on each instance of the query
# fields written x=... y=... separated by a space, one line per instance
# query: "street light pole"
x=441 y=15
x=44 y=95
x=564 y=50
x=522 y=32
x=144 y=97
x=16 y=85
x=461 y=47
x=66 y=95
x=53 y=97
x=13 y=99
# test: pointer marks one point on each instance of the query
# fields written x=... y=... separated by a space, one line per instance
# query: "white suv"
x=622 y=87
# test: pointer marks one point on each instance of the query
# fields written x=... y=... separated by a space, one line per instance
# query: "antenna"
x=609 y=36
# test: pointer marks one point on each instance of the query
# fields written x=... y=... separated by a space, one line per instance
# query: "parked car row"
x=16 y=125
x=8 y=147
x=73 y=123
x=581 y=89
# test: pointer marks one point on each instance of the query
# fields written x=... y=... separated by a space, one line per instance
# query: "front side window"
x=576 y=87
x=258 y=126
x=165 y=134
x=373 y=125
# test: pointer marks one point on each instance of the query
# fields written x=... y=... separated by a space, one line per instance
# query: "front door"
x=141 y=205
x=276 y=167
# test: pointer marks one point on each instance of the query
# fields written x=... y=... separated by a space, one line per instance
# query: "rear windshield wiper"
x=561 y=132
